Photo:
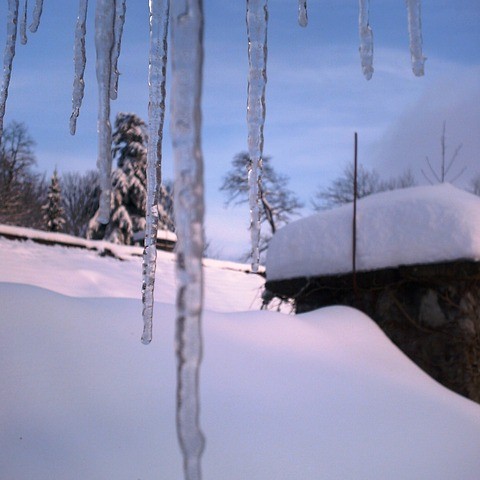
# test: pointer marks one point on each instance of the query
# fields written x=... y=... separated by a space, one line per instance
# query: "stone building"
x=416 y=273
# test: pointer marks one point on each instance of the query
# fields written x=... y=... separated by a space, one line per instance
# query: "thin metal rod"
x=354 y=226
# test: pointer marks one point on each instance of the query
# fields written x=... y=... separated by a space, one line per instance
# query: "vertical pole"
x=354 y=226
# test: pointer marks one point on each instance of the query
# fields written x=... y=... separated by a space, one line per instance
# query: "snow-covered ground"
x=320 y=395
x=402 y=227
x=84 y=273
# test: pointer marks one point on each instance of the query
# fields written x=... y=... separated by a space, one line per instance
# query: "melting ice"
x=257 y=19
x=159 y=15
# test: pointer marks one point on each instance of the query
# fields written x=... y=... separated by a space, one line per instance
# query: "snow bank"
x=84 y=273
x=403 y=227
x=324 y=394
x=321 y=395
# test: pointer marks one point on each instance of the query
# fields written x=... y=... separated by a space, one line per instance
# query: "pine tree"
x=129 y=185
x=53 y=213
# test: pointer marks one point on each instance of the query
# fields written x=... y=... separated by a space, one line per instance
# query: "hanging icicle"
x=415 y=33
x=257 y=19
x=12 y=21
x=120 y=7
x=302 y=13
x=187 y=64
x=366 y=39
x=23 y=24
x=159 y=16
x=104 y=40
x=79 y=60
x=37 y=14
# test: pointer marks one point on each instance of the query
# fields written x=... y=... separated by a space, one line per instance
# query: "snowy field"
x=323 y=395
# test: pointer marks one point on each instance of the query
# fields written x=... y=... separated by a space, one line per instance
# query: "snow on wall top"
x=415 y=225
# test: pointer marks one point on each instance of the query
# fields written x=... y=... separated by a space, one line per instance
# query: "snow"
x=84 y=273
x=415 y=225
x=323 y=394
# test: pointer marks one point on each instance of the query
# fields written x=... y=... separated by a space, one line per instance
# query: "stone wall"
x=431 y=312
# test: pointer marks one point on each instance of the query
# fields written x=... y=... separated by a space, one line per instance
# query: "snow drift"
x=321 y=395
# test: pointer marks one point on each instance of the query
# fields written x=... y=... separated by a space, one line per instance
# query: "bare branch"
x=444 y=167
x=454 y=156
x=462 y=171
x=426 y=177
x=439 y=179
x=278 y=203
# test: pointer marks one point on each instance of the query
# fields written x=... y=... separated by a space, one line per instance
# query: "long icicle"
x=23 y=24
x=187 y=65
x=37 y=14
x=120 y=7
x=159 y=16
x=302 y=13
x=415 y=33
x=257 y=19
x=104 y=39
x=366 y=39
x=79 y=60
x=12 y=21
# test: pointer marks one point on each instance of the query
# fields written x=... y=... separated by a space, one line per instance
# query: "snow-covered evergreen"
x=53 y=213
x=129 y=183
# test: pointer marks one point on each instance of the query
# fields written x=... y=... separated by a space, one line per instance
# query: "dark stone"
x=431 y=312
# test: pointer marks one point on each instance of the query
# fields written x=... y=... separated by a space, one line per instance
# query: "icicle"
x=257 y=19
x=80 y=59
x=302 y=13
x=187 y=61
x=121 y=7
x=366 y=40
x=159 y=12
x=37 y=13
x=23 y=24
x=104 y=39
x=12 y=21
x=415 y=33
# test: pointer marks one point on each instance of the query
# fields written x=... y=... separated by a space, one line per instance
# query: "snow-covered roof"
x=162 y=234
x=417 y=225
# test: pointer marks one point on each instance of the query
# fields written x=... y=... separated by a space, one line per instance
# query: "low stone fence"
x=431 y=312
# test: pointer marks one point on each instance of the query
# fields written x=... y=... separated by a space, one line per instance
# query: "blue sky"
x=316 y=94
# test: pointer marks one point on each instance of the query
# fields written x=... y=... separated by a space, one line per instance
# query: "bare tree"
x=341 y=190
x=80 y=196
x=278 y=202
x=445 y=166
x=22 y=191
